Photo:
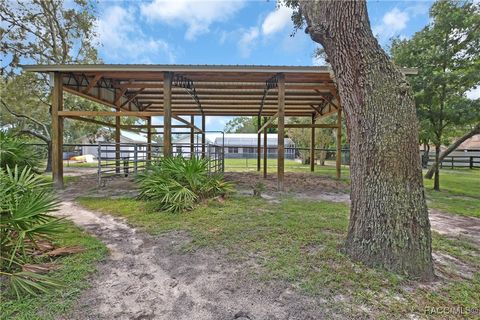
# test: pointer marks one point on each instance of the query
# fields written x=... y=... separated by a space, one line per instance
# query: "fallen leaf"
x=41 y=246
x=40 y=268
x=63 y=251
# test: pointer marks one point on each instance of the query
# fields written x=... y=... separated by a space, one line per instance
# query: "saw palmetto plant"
x=176 y=184
x=26 y=202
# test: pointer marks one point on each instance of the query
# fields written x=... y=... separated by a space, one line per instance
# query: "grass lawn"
x=74 y=272
x=299 y=242
x=460 y=188
x=459 y=192
x=290 y=165
x=66 y=179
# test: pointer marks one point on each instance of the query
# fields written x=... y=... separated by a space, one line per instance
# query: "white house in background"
x=128 y=140
x=181 y=144
x=244 y=145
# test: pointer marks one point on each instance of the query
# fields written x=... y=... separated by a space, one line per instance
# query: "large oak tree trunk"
x=452 y=147
x=389 y=224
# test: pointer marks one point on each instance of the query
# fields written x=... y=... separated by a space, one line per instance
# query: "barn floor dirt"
x=150 y=277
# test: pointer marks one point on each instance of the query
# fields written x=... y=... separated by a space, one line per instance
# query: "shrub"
x=176 y=184
x=14 y=151
x=25 y=203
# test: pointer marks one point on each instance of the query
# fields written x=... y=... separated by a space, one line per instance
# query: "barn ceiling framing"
x=202 y=90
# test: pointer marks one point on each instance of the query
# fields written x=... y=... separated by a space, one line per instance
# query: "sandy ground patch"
x=147 y=277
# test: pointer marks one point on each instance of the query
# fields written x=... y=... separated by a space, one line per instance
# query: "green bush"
x=25 y=203
x=176 y=184
x=14 y=151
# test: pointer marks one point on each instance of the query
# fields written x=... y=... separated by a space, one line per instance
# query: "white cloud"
x=277 y=20
x=396 y=19
x=474 y=93
x=274 y=22
x=247 y=41
x=122 y=39
x=195 y=14
x=393 y=22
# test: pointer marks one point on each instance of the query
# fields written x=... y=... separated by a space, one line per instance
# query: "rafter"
x=92 y=83
x=130 y=98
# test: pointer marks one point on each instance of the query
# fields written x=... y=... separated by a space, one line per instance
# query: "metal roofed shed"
x=171 y=91
x=241 y=145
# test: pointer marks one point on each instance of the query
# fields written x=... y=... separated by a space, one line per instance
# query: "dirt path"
x=314 y=187
x=148 y=277
x=455 y=226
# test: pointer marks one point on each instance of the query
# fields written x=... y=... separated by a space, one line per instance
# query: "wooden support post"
x=203 y=136
x=117 y=144
x=167 y=118
x=281 y=132
x=259 y=141
x=57 y=131
x=312 y=146
x=149 y=138
x=339 y=143
x=265 y=150
x=192 y=138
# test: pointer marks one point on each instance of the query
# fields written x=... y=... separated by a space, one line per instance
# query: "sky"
x=228 y=32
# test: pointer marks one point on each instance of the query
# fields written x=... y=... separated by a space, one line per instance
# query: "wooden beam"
x=330 y=101
x=117 y=143
x=192 y=137
x=338 y=162
x=281 y=132
x=306 y=125
x=149 y=138
x=125 y=126
x=267 y=123
x=119 y=96
x=102 y=123
x=92 y=83
x=265 y=150
x=232 y=102
x=110 y=113
x=130 y=99
x=89 y=97
x=188 y=124
x=259 y=141
x=203 y=135
x=167 y=118
x=319 y=112
x=57 y=130
x=312 y=146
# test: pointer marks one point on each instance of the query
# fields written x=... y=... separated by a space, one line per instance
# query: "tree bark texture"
x=450 y=149
x=389 y=225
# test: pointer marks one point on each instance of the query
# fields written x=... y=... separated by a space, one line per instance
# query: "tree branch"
x=35 y=134
x=19 y=115
x=452 y=147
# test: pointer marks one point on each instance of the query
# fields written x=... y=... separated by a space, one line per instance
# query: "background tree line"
x=44 y=32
